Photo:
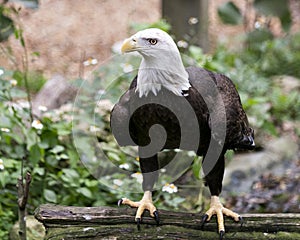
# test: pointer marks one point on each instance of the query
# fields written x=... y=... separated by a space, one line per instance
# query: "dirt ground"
x=65 y=33
x=62 y=32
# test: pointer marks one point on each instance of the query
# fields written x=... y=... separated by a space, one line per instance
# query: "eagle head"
x=161 y=64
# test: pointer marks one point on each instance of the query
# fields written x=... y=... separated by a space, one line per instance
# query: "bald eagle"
x=168 y=106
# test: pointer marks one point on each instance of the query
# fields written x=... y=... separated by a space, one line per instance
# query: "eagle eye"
x=152 y=41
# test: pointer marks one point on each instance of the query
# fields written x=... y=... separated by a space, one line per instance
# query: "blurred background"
x=61 y=73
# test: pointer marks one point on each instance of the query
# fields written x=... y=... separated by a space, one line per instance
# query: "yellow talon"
x=145 y=204
x=216 y=208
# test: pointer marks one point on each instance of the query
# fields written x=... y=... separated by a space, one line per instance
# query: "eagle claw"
x=120 y=202
x=221 y=234
x=203 y=220
x=138 y=223
x=156 y=217
x=241 y=220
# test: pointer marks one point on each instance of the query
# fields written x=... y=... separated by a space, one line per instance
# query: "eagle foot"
x=216 y=208
x=145 y=204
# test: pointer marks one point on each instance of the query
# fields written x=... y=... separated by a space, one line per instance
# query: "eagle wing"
x=211 y=85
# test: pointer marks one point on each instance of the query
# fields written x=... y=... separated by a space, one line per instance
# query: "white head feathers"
x=161 y=64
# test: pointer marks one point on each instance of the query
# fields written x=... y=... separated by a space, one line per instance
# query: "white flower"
x=1 y=164
x=5 y=129
x=90 y=61
x=37 y=124
x=138 y=176
x=118 y=182
x=124 y=166
x=13 y=82
x=257 y=25
x=23 y=104
x=170 y=188
x=182 y=44
x=101 y=92
x=193 y=20
x=94 y=129
x=1 y=72
x=127 y=67
x=43 y=108
x=191 y=154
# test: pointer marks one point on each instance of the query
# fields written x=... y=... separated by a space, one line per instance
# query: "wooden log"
x=118 y=223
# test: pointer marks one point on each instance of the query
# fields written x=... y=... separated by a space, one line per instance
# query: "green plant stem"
x=25 y=66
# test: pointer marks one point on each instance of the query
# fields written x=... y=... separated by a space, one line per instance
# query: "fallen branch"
x=23 y=192
x=118 y=223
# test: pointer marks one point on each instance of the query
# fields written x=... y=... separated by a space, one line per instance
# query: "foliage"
x=278 y=8
x=253 y=70
x=36 y=80
x=49 y=153
x=229 y=13
x=161 y=24
x=6 y=24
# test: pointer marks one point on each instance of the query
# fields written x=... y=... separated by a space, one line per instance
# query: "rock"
x=272 y=193
x=35 y=230
x=244 y=169
x=56 y=92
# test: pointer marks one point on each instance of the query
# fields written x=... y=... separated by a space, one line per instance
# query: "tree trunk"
x=189 y=20
x=118 y=223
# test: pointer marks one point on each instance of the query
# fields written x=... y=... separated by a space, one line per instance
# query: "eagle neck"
x=168 y=73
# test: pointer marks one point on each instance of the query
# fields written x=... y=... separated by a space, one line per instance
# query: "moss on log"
x=118 y=223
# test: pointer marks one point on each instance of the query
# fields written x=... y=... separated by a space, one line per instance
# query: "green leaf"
x=74 y=158
x=195 y=52
x=62 y=156
x=230 y=13
x=49 y=138
x=91 y=183
x=269 y=127
x=6 y=25
x=274 y=7
x=35 y=154
x=256 y=37
x=40 y=171
x=277 y=8
x=22 y=41
x=114 y=156
x=18 y=75
x=85 y=192
x=161 y=24
x=31 y=138
x=63 y=129
x=3 y=180
x=70 y=173
x=57 y=149
x=50 y=196
x=197 y=167
x=286 y=21
x=10 y=163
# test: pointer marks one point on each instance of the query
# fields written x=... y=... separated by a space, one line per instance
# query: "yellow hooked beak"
x=129 y=45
